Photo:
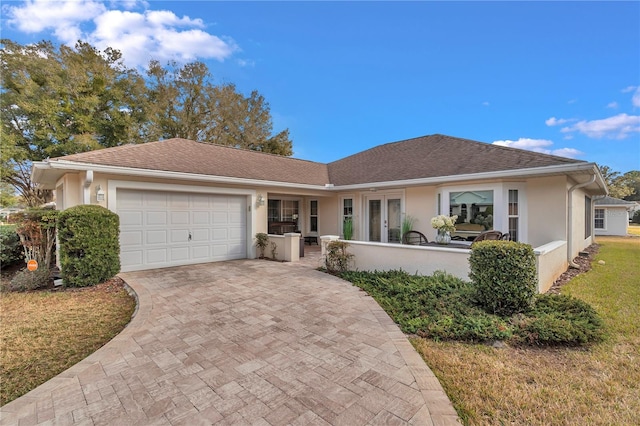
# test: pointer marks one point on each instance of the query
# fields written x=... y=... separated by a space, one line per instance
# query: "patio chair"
x=414 y=238
x=487 y=235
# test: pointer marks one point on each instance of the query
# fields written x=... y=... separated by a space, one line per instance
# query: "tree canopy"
x=626 y=186
x=58 y=101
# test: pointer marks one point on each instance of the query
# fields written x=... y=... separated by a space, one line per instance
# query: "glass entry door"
x=384 y=217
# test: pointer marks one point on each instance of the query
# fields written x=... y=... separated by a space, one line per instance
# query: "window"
x=598 y=218
x=481 y=211
x=282 y=216
x=587 y=217
x=513 y=214
x=347 y=210
x=313 y=216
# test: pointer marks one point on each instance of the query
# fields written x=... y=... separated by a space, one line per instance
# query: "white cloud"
x=617 y=127
x=485 y=103
x=61 y=17
x=555 y=121
x=540 y=145
x=629 y=89
x=140 y=36
x=635 y=100
x=612 y=105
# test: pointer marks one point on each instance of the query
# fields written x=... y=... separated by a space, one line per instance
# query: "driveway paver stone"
x=248 y=342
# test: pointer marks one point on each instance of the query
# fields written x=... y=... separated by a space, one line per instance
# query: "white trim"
x=40 y=166
x=114 y=185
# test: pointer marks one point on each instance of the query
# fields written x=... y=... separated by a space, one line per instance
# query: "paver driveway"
x=245 y=342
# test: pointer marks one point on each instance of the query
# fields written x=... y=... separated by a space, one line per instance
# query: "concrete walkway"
x=249 y=342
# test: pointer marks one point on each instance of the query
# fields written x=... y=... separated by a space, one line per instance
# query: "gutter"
x=572 y=264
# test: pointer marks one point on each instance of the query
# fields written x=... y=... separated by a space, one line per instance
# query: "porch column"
x=291 y=247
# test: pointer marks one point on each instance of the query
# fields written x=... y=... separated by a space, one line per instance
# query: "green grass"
x=596 y=385
x=42 y=333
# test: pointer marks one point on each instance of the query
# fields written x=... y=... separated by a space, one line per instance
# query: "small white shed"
x=611 y=215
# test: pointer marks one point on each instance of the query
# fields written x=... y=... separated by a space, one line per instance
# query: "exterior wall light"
x=99 y=193
x=259 y=200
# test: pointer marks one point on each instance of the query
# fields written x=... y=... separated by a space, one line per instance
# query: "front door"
x=384 y=216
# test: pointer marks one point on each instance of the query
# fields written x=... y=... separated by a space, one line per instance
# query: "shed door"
x=160 y=229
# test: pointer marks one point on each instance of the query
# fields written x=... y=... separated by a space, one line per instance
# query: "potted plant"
x=347 y=229
x=262 y=240
x=445 y=226
x=407 y=225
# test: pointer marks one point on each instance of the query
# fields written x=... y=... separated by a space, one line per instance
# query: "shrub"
x=37 y=230
x=262 y=240
x=25 y=280
x=337 y=258
x=559 y=319
x=10 y=247
x=89 y=247
x=504 y=276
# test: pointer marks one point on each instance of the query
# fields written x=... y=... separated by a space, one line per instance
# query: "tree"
x=619 y=186
x=184 y=103
x=60 y=101
x=632 y=180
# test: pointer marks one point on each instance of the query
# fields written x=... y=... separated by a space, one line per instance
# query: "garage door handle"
x=189 y=236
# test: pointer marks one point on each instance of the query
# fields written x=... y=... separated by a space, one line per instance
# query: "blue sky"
x=555 y=77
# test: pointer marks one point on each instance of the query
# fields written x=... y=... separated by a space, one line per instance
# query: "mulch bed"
x=584 y=263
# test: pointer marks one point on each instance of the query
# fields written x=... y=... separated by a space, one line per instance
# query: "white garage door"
x=160 y=229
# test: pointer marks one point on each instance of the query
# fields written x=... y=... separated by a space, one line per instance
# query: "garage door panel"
x=179 y=254
x=180 y=236
x=130 y=218
x=180 y=218
x=155 y=228
x=131 y=258
x=180 y=201
x=154 y=199
x=156 y=218
x=201 y=252
x=200 y=218
x=158 y=236
x=200 y=235
x=157 y=256
x=220 y=234
x=131 y=238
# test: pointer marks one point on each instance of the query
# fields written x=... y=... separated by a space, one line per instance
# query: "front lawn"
x=598 y=385
x=42 y=333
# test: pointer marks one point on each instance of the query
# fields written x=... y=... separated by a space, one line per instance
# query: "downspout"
x=570 y=224
x=86 y=191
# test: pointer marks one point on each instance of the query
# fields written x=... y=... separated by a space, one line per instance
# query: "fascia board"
x=162 y=174
x=504 y=174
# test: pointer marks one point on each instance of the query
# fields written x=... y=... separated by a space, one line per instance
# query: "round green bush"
x=89 y=245
x=504 y=276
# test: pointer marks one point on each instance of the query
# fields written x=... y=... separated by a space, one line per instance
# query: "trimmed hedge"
x=504 y=275
x=10 y=247
x=89 y=246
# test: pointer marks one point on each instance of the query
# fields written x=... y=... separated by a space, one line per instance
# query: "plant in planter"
x=262 y=240
x=407 y=225
x=274 y=252
x=347 y=229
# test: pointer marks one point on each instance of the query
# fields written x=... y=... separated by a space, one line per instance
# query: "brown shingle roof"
x=424 y=157
x=434 y=156
x=186 y=156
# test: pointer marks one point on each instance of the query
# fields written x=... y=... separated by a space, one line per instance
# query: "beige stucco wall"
x=412 y=259
x=551 y=262
x=546 y=210
x=421 y=204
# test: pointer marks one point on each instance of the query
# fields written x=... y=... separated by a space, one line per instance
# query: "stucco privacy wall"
x=551 y=262
x=412 y=259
